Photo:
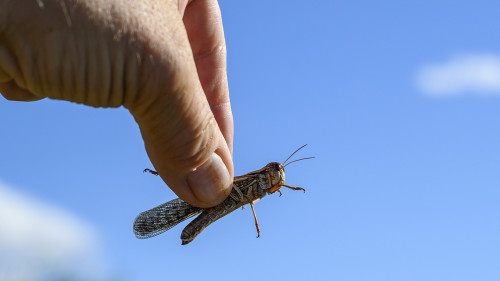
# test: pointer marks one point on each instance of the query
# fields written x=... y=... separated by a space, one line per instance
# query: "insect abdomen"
x=207 y=217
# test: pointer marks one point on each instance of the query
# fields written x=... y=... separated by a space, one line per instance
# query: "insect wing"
x=162 y=218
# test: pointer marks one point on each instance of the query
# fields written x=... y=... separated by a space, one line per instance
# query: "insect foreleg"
x=295 y=188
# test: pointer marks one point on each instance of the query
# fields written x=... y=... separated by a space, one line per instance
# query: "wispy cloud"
x=39 y=241
x=464 y=74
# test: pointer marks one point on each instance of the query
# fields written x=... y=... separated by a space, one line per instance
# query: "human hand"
x=163 y=60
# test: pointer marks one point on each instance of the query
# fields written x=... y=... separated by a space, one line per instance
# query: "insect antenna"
x=298 y=160
x=293 y=154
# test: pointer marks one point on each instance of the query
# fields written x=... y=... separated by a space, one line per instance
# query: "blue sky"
x=405 y=185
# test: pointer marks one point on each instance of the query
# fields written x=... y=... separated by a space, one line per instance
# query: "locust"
x=246 y=189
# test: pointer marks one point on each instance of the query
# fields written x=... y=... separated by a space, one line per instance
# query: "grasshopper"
x=247 y=189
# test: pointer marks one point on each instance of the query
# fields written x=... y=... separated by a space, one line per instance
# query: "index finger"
x=203 y=22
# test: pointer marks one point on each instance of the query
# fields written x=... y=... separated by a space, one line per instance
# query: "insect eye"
x=277 y=166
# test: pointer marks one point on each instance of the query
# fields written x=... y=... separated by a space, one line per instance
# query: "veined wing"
x=162 y=218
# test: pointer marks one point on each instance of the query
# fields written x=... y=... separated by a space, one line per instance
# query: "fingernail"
x=209 y=181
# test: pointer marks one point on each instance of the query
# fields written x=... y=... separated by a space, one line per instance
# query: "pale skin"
x=163 y=60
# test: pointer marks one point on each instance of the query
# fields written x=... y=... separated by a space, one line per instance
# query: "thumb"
x=184 y=142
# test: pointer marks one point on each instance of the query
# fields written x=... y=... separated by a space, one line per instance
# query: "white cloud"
x=465 y=74
x=39 y=241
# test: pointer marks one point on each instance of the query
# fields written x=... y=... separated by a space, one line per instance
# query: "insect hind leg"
x=150 y=171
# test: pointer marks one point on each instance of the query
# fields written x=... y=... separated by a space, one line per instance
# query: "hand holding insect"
x=164 y=61
x=247 y=189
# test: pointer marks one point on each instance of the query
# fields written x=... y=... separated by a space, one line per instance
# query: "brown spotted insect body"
x=247 y=189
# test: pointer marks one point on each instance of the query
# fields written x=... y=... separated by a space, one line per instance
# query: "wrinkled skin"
x=163 y=60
